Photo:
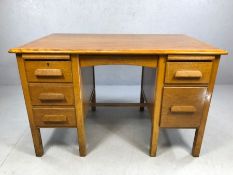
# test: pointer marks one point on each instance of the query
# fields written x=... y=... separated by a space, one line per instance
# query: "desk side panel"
x=88 y=85
x=148 y=86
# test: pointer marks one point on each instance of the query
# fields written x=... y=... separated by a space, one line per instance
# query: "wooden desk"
x=58 y=80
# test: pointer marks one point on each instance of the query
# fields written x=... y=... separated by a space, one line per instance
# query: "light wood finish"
x=35 y=131
x=190 y=99
x=54 y=118
x=190 y=57
x=58 y=80
x=183 y=109
x=118 y=44
x=200 y=130
x=95 y=60
x=79 y=105
x=48 y=71
x=51 y=94
x=120 y=104
x=46 y=56
x=48 y=117
x=188 y=72
x=157 y=104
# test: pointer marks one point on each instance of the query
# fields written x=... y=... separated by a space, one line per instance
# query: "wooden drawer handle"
x=183 y=109
x=48 y=72
x=188 y=74
x=51 y=96
x=54 y=118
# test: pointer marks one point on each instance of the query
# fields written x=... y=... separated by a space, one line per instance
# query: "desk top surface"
x=118 y=44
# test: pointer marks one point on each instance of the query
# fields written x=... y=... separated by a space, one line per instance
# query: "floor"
x=118 y=140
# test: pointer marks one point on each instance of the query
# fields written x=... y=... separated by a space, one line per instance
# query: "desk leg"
x=37 y=141
x=200 y=131
x=79 y=104
x=93 y=100
x=141 y=95
x=36 y=136
x=157 y=104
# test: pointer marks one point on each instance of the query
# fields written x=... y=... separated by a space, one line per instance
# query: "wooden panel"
x=148 y=86
x=190 y=57
x=36 y=136
x=51 y=94
x=46 y=57
x=48 y=71
x=54 y=117
x=118 y=44
x=94 y=60
x=120 y=104
x=200 y=130
x=182 y=106
x=87 y=85
x=158 y=91
x=79 y=105
x=188 y=72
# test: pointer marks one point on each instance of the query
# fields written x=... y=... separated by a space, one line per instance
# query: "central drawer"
x=182 y=106
x=51 y=94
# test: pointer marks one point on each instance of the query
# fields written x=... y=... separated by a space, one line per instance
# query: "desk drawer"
x=182 y=106
x=54 y=117
x=188 y=72
x=51 y=94
x=48 y=71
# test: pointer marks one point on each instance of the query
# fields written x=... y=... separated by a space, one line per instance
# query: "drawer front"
x=182 y=106
x=54 y=117
x=188 y=72
x=48 y=71
x=51 y=94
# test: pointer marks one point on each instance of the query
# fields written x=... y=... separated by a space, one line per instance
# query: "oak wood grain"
x=54 y=117
x=79 y=104
x=188 y=72
x=120 y=104
x=51 y=94
x=118 y=44
x=44 y=56
x=182 y=107
x=158 y=91
x=48 y=71
x=57 y=76
x=95 y=60
x=190 y=57
x=199 y=133
x=35 y=131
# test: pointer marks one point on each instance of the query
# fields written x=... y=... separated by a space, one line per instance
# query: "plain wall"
x=22 y=21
